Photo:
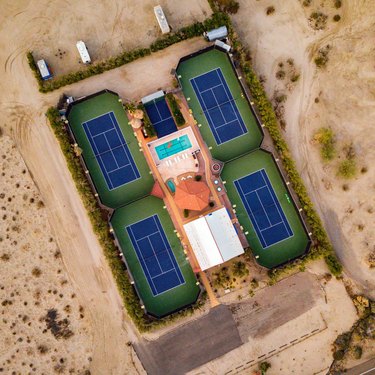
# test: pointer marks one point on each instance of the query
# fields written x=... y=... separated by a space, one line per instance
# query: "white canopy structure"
x=213 y=239
x=219 y=33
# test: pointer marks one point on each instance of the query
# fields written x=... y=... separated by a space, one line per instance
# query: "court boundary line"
x=259 y=170
x=136 y=174
x=192 y=80
x=170 y=248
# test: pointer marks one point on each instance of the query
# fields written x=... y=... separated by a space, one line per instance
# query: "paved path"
x=367 y=368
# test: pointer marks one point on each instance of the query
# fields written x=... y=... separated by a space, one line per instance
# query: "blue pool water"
x=171 y=186
x=173 y=147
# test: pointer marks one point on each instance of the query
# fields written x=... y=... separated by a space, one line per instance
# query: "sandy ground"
x=346 y=104
x=34 y=280
x=30 y=25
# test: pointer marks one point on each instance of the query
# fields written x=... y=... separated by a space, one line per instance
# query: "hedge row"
x=100 y=226
x=321 y=246
x=196 y=29
x=179 y=118
x=146 y=121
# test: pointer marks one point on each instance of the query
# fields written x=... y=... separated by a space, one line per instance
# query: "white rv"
x=163 y=23
x=83 y=52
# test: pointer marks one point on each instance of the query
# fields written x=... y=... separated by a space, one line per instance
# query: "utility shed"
x=213 y=239
x=219 y=33
x=163 y=23
x=83 y=52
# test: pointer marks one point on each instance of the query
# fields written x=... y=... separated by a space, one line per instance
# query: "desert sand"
x=345 y=103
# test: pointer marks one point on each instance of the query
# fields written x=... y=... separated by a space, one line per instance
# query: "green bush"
x=357 y=352
x=146 y=121
x=264 y=366
x=229 y=6
x=333 y=265
x=336 y=17
x=217 y=19
x=175 y=108
x=347 y=168
x=239 y=269
x=326 y=138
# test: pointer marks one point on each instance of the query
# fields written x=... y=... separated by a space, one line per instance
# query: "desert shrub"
x=264 y=367
x=173 y=104
x=336 y=17
x=229 y=6
x=36 y=272
x=270 y=10
x=306 y=3
x=338 y=4
x=357 y=352
x=318 y=20
x=347 y=168
x=322 y=57
x=280 y=74
x=239 y=269
x=326 y=139
x=333 y=264
x=222 y=278
x=295 y=77
x=338 y=354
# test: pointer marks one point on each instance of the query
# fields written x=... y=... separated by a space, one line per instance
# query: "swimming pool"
x=171 y=185
x=173 y=146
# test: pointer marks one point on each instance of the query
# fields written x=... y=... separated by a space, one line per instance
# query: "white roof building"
x=213 y=239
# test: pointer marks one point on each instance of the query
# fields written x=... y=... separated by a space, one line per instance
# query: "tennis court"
x=155 y=255
x=263 y=208
x=110 y=150
x=218 y=106
x=160 y=117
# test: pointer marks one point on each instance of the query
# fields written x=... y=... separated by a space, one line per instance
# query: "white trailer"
x=83 y=52
x=163 y=23
x=43 y=69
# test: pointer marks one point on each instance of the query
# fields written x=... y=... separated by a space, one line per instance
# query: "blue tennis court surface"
x=155 y=255
x=111 y=150
x=263 y=208
x=218 y=106
x=160 y=117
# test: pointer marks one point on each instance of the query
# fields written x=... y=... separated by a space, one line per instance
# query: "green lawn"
x=203 y=63
x=283 y=251
x=175 y=298
x=94 y=107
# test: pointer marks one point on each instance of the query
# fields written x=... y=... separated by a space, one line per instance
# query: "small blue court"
x=155 y=255
x=263 y=208
x=110 y=150
x=219 y=106
x=160 y=117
